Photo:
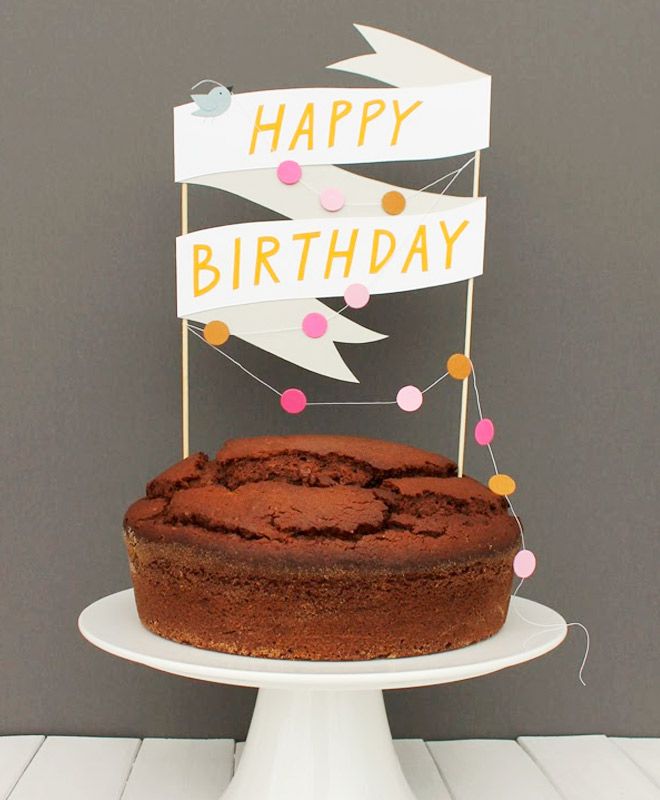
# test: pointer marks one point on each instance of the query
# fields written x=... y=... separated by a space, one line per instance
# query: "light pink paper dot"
x=409 y=398
x=524 y=563
x=356 y=295
x=484 y=431
x=289 y=172
x=293 y=401
x=332 y=199
x=314 y=325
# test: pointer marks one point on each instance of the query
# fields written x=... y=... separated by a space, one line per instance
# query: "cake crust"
x=320 y=547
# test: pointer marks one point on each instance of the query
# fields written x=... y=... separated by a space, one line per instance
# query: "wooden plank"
x=645 y=753
x=490 y=768
x=77 y=768
x=589 y=768
x=181 y=769
x=16 y=752
x=420 y=770
x=417 y=765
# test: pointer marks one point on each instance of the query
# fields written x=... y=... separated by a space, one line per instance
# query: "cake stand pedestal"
x=319 y=729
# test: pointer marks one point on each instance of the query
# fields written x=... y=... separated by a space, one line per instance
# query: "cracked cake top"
x=324 y=499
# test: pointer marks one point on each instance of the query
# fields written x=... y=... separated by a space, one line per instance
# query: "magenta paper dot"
x=332 y=199
x=524 y=563
x=293 y=401
x=409 y=398
x=289 y=172
x=484 y=431
x=314 y=325
x=356 y=295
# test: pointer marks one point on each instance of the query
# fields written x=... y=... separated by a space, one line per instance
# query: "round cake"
x=330 y=548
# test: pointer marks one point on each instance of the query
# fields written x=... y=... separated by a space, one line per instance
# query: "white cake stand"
x=319 y=729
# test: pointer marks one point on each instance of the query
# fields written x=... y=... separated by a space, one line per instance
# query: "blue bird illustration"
x=215 y=102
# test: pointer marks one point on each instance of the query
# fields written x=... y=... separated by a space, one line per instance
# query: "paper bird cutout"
x=215 y=102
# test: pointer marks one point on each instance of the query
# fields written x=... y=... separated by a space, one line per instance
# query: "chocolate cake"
x=320 y=547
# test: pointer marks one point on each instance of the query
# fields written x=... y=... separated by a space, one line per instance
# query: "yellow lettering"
x=305 y=128
x=333 y=253
x=418 y=248
x=335 y=115
x=368 y=116
x=306 y=238
x=203 y=263
x=400 y=117
x=262 y=257
x=236 y=282
x=450 y=240
x=260 y=127
x=375 y=265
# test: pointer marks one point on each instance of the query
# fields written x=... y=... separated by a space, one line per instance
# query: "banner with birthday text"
x=265 y=261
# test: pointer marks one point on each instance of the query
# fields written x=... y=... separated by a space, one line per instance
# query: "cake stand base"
x=319 y=729
x=319 y=744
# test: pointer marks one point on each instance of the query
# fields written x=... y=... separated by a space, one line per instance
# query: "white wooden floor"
x=531 y=768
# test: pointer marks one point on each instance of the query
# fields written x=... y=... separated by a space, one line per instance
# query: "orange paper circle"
x=502 y=484
x=459 y=366
x=393 y=203
x=216 y=332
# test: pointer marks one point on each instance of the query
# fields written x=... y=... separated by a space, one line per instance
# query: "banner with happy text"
x=332 y=126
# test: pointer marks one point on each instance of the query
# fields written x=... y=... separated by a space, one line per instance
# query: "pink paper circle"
x=289 y=172
x=293 y=401
x=332 y=199
x=484 y=431
x=356 y=295
x=524 y=563
x=314 y=325
x=409 y=398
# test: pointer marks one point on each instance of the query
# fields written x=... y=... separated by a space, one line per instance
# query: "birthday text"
x=256 y=262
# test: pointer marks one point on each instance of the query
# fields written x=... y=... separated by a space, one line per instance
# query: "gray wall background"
x=565 y=336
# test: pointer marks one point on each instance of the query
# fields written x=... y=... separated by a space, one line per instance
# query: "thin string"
x=544 y=626
x=435 y=382
x=196 y=332
x=355 y=403
x=557 y=627
x=477 y=398
x=453 y=175
x=438 y=196
x=205 y=80
x=374 y=402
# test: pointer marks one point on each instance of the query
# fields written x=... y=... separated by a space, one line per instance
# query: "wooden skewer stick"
x=468 y=334
x=185 y=401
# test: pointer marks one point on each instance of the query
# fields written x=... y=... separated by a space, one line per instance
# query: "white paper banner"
x=332 y=126
x=265 y=261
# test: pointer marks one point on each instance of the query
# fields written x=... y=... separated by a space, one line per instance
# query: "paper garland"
x=378 y=114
